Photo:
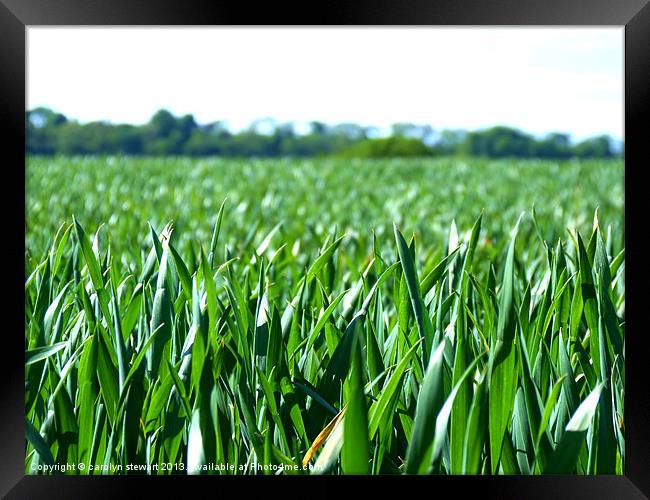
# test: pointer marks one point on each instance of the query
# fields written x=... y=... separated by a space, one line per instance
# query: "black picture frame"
x=17 y=15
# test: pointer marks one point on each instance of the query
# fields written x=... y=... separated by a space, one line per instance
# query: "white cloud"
x=539 y=79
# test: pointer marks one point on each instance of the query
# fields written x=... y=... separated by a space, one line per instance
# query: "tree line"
x=52 y=133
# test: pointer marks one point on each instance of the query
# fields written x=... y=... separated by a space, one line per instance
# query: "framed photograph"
x=389 y=241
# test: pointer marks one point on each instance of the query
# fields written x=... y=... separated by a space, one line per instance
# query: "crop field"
x=324 y=316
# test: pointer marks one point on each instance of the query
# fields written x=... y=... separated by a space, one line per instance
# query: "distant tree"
x=404 y=130
x=44 y=117
x=554 y=145
x=166 y=135
x=318 y=128
x=186 y=125
x=41 y=126
x=218 y=128
x=49 y=132
x=499 y=142
x=395 y=146
x=351 y=131
x=203 y=143
x=162 y=123
x=596 y=147
x=126 y=139
x=450 y=142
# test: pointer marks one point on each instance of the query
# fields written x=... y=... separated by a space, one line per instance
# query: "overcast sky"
x=537 y=79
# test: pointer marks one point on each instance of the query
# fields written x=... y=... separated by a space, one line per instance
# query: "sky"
x=537 y=79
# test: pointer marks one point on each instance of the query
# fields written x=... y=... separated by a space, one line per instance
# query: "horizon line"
x=381 y=131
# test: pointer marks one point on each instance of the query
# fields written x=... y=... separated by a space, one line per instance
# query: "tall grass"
x=482 y=356
x=310 y=197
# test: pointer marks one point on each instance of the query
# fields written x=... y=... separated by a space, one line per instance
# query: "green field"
x=358 y=316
